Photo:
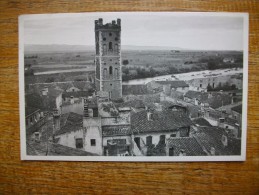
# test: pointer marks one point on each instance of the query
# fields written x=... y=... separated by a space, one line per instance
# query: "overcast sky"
x=141 y=29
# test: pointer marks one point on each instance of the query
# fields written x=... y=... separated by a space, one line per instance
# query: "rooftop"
x=187 y=144
x=201 y=122
x=30 y=110
x=116 y=130
x=161 y=121
x=210 y=137
x=237 y=109
x=134 y=89
x=174 y=84
x=70 y=122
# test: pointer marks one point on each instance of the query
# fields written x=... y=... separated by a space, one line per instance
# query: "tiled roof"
x=187 y=144
x=54 y=92
x=161 y=121
x=116 y=130
x=34 y=148
x=34 y=100
x=76 y=94
x=210 y=137
x=30 y=110
x=174 y=84
x=217 y=100
x=134 y=89
x=201 y=122
x=70 y=122
x=133 y=103
x=237 y=109
x=201 y=96
x=83 y=85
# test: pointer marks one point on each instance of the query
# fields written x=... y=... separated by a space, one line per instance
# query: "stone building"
x=108 y=58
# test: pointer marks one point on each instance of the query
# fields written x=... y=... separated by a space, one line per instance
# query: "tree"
x=125 y=62
x=50 y=80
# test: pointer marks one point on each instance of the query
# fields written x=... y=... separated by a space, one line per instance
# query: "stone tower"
x=108 y=58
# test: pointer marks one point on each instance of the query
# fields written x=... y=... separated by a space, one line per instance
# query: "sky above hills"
x=196 y=32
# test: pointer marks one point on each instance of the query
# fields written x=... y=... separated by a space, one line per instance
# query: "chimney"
x=56 y=119
x=224 y=140
x=100 y=21
x=86 y=114
x=149 y=116
x=72 y=100
x=118 y=22
x=212 y=151
x=45 y=91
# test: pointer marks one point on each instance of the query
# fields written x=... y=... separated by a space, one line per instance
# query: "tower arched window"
x=116 y=73
x=104 y=73
x=110 y=70
x=110 y=45
x=116 y=48
x=104 y=49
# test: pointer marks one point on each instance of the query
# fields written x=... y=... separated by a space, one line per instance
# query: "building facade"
x=108 y=58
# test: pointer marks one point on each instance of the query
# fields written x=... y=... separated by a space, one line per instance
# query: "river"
x=186 y=76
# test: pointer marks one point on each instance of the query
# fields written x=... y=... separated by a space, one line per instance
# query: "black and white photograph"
x=133 y=86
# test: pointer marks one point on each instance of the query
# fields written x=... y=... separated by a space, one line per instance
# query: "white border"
x=24 y=156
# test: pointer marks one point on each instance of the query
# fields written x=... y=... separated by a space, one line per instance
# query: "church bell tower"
x=108 y=58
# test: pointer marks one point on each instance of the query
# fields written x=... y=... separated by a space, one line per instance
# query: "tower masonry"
x=108 y=75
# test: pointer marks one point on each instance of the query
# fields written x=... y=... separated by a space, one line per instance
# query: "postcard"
x=133 y=86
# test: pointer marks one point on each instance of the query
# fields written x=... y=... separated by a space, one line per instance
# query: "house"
x=103 y=129
x=184 y=146
x=237 y=113
x=135 y=105
x=134 y=90
x=35 y=120
x=217 y=141
x=168 y=86
x=213 y=99
x=151 y=129
x=228 y=60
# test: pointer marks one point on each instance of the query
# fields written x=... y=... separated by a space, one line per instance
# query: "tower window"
x=116 y=47
x=116 y=72
x=116 y=39
x=93 y=142
x=104 y=39
x=110 y=34
x=104 y=49
x=110 y=69
x=110 y=45
x=104 y=72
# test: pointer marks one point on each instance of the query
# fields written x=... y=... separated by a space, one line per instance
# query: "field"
x=135 y=63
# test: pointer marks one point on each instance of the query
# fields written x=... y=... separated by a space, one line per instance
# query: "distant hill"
x=76 y=48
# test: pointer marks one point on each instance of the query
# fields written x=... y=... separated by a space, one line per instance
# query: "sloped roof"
x=34 y=100
x=82 y=85
x=34 y=148
x=117 y=130
x=30 y=110
x=237 y=109
x=217 y=100
x=161 y=121
x=70 y=122
x=188 y=144
x=201 y=96
x=211 y=137
x=201 y=122
x=76 y=94
x=133 y=103
x=174 y=84
x=134 y=89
